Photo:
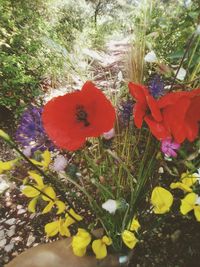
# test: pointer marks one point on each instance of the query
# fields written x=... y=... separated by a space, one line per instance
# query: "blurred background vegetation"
x=43 y=41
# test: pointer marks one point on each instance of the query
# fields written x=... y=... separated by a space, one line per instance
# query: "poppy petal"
x=138 y=92
x=157 y=128
x=139 y=111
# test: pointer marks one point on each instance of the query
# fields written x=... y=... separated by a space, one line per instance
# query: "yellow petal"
x=189 y=179
x=187 y=204
x=48 y=207
x=79 y=252
x=99 y=249
x=181 y=186
x=30 y=191
x=52 y=228
x=135 y=225
x=38 y=179
x=70 y=220
x=63 y=229
x=32 y=204
x=80 y=242
x=60 y=205
x=107 y=240
x=129 y=239
x=47 y=158
x=49 y=191
x=161 y=199
x=6 y=166
x=197 y=213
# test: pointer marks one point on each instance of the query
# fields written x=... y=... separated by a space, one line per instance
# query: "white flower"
x=110 y=205
x=110 y=134
x=3 y=185
x=151 y=57
x=181 y=74
x=60 y=163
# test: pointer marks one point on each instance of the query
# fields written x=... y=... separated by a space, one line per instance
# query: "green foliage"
x=70 y=21
x=172 y=24
x=21 y=67
x=27 y=31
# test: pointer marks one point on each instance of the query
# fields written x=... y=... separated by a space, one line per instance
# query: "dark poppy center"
x=82 y=116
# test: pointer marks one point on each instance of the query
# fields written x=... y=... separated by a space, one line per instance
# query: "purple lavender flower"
x=169 y=147
x=30 y=132
x=156 y=86
x=125 y=112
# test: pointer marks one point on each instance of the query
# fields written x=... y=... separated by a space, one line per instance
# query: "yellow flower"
x=69 y=220
x=46 y=156
x=99 y=247
x=161 y=199
x=32 y=192
x=129 y=239
x=49 y=191
x=59 y=226
x=6 y=166
x=187 y=180
x=189 y=203
x=80 y=242
x=35 y=191
x=135 y=225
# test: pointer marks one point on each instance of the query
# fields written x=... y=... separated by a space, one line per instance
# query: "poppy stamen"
x=81 y=115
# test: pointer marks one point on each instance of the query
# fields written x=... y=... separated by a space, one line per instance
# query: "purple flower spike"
x=156 y=86
x=169 y=147
x=30 y=132
x=125 y=112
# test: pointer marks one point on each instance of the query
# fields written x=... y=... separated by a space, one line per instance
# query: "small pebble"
x=32 y=216
x=6 y=259
x=11 y=232
x=2 y=234
x=30 y=240
x=10 y=221
x=8 y=204
x=21 y=211
x=9 y=247
x=2 y=243
x=16 y=239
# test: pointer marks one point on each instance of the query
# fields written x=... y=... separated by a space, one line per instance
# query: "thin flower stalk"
x=183 y=58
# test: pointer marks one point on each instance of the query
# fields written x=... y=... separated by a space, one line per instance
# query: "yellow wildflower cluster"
x=82 y=239
x=191 y=201
x=162 y=199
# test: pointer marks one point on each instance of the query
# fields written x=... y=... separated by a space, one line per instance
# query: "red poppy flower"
x=181 y=114
x=175 y=115
x=147 y=109
x=70 y=119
